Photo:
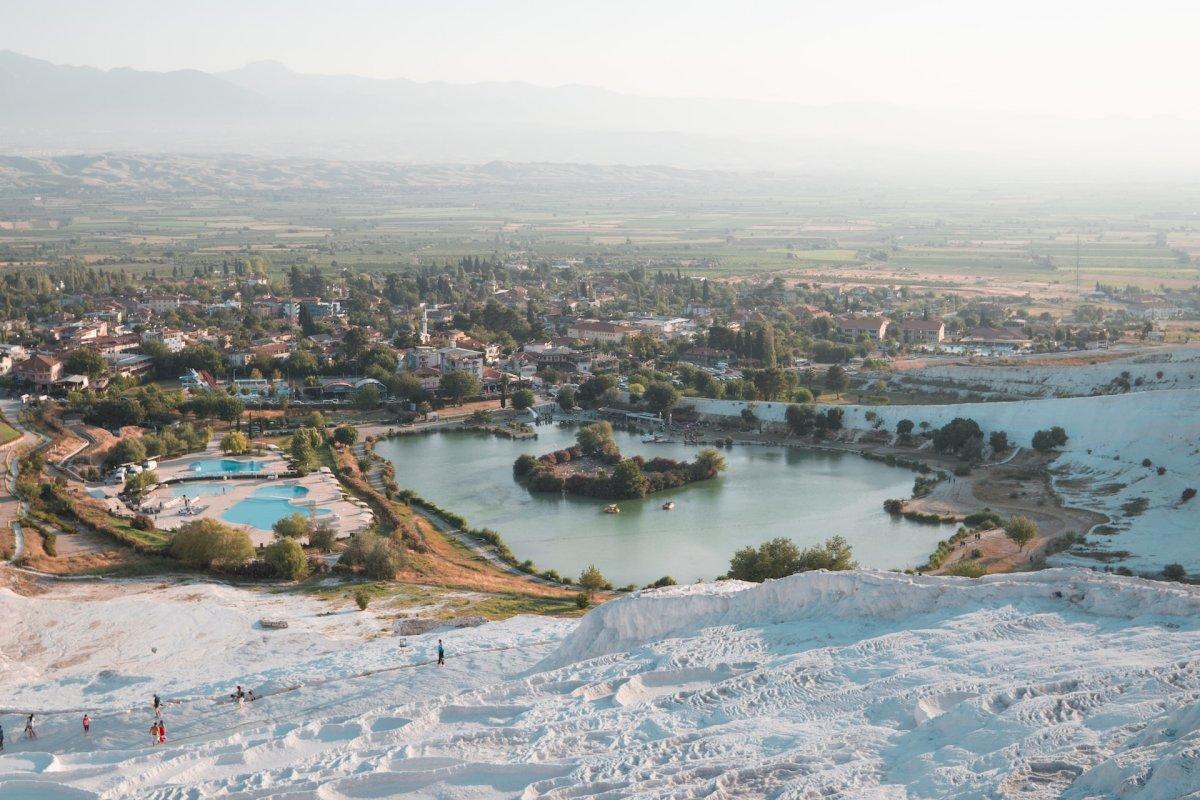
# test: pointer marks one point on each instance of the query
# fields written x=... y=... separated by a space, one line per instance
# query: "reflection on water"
x=767 y=492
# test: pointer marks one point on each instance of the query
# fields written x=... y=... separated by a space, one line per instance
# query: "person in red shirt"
x=87 y=725
x=162 y=733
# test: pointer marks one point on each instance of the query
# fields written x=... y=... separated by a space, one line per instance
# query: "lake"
x=804 y=495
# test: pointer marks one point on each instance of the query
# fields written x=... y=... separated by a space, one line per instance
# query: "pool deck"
x=324 y=492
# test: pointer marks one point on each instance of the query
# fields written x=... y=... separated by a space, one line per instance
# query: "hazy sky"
x=1084 y=58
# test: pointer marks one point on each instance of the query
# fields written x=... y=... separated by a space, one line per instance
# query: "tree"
x=591 y=580
x=802 y=395
x=780 y=557
x=800 y=419
x=458 y=386
x=323 y=537
x=293 y=526
x=235 y=443
x=85 y=362
x=1174 y=572
x=661 y=396
x=345 y=434
x=960 y=435
x=566 y=398
x=1045 y=441
x=627 y=479
x=130 y=450
x=206 y=543
x=1021 y=530
x=367 y=397
x=287 y=558
x=522 y=399
x=592 y=438
x=904 y=429
x=139 y=482
x=836 y=380
x=998 y=440
x=302 y=363
x=303 y=454
x=709 y=462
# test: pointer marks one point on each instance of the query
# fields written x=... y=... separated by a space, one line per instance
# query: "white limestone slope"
x=1065 y=683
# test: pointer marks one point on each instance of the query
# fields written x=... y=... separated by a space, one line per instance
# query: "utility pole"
x=1077 y=263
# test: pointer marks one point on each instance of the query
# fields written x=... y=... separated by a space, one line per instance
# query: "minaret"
x=424 y=335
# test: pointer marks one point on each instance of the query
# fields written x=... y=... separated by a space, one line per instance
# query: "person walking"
x=87 y=725
x=1 y=738
x=157 y=707
x=162 y=732
x=154 y=732
x=30 y=733
x=441 y=654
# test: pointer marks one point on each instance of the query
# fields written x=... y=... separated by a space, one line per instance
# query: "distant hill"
x=267 y=109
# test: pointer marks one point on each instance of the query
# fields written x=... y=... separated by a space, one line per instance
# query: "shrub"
x=362 y=598
x=345 y=434
x=206 y=543
x=524 y=465
x=780 y=557
x=383 y=560
x=893 y=506
x=1188 y=494
x=966 y=569
x=142 y=523
x=50 y=543
x=582 y=600
x=1174 y=572
x=1147 y=462
x=998 y=441
x=287 y=558
x=665 y=580
x=323 y=537
x=545 y=481
x=1044 y=441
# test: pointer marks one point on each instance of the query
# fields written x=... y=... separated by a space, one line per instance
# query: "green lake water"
x=804 y=495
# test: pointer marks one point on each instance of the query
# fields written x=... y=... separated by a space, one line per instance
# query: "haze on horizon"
x=1065 y=85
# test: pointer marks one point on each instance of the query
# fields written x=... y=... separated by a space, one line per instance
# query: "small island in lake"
x=594 y=467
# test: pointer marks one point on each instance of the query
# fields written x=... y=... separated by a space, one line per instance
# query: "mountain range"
x=267 y=109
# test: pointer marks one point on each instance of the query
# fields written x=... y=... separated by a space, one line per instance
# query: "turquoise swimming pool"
x=199 y=489
x=225 y=466
x=270 y=504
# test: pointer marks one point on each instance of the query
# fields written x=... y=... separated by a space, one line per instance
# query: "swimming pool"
x=270 y=504
x=225 y=466
x=199 y=489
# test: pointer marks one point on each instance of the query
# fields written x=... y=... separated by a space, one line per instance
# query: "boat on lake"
x=612 y=508
x=669 y=505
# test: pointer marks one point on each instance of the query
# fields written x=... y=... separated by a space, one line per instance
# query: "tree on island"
x=627 y=479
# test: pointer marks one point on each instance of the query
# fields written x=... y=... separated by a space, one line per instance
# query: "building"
x=459 y=359
x=593 y=331
x=1000 y=338
x=853 y=327
x=39 y=370
x=917 y=330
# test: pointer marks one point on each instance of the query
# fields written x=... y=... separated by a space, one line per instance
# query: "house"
x=459 y=359
x=706 y=356
x=40 y=370
x=594 y=331
x=6 y=364
x=853 y=327
x=917 y=330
